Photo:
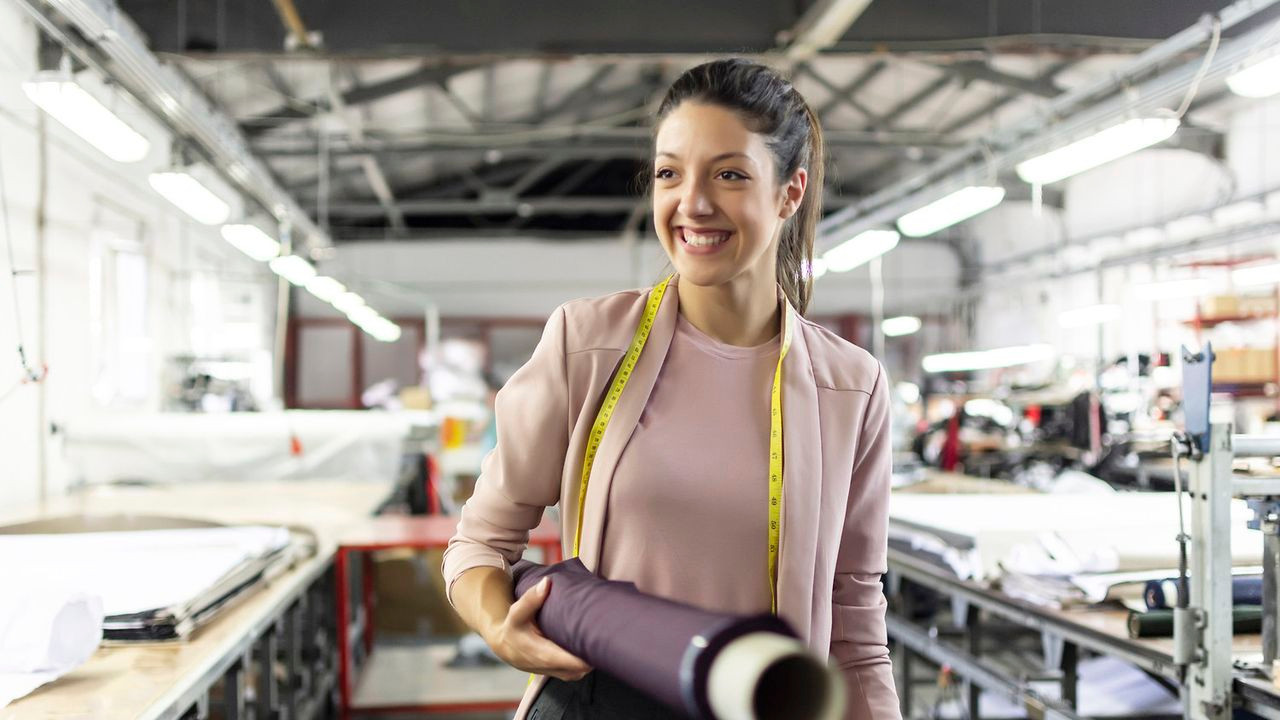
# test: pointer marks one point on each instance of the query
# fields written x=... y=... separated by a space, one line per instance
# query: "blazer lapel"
x=623 y=423
x=801 y=482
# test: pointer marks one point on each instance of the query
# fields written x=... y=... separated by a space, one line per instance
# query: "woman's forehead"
x=701 y=131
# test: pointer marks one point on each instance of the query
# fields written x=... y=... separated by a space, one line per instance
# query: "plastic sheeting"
x=296 y=444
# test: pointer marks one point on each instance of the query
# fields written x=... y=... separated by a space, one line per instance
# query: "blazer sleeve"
x=859 y=641
x=520 y=477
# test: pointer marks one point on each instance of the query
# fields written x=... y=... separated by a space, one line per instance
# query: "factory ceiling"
x=411 y=119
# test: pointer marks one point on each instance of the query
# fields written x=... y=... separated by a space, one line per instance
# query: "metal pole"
x=1255 y=446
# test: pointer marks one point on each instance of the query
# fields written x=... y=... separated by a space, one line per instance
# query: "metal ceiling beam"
x=427 y=75
x=887 y=120
x=495 y=205
x=847 y=93
x=1076 y=111
x=107 y=39
x=492 y=206
x=619 y=142
x=821 y=25
x=979 y=70
x=979 y=113
x=372 y=168
x=574 y=97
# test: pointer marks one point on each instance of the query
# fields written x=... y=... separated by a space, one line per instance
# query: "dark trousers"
x=598 y=696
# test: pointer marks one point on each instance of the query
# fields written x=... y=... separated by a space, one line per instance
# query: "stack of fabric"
x=1159 y=597
x=155 y=584
x=1057 y=550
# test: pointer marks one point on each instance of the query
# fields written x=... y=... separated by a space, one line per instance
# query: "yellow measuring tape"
x=610 y=403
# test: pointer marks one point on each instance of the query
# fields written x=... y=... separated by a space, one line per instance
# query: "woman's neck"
x=736 y=313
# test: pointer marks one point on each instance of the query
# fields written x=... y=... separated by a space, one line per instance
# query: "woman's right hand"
x=521 y=644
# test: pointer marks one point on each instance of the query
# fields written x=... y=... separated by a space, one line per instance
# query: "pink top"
x=835 y=492
x=688 y=506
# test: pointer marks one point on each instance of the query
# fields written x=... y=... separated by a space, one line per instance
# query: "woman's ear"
x=793 y=193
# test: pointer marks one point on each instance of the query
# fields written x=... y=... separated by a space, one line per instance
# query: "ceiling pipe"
x=116 y=47
x=1003 y=148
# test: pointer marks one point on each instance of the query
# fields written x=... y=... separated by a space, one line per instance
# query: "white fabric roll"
x=46 y=631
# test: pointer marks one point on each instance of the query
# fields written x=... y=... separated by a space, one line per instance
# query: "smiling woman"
x=736 y=150
x=738 y=458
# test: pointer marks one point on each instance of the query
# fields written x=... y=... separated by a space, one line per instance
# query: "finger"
x=526 y=608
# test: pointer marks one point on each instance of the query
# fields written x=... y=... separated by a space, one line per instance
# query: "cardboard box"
x=1219 y=306
x=1257 y=306
x=1244 y=365
x=409 y=595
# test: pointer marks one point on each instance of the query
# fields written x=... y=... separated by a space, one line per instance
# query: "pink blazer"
x=835 y=404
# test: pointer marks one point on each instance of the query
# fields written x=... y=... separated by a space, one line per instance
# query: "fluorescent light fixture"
x=986 y=359
x=68 y=103
x=864 y=246
x=1258 y=80
x=1144 y=237
x=1100 y=148
x=956 y=207
x=1239 y=213
x=252 y=241
x=362 y=314
x=1188 y=226
x=346 y=302
x=1174 y=289
x=1268 y=274
x=325 y=288
x=382 y=329
x=190 y=196
x=1088 y=315
x=901 y=325
x=292 y=268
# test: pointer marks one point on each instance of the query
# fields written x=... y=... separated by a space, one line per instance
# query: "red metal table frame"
x=389 y=532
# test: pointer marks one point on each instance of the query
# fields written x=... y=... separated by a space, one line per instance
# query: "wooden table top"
x=430 y=531
x=142 y=681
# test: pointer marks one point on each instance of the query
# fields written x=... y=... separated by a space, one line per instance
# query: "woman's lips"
x=708 y=240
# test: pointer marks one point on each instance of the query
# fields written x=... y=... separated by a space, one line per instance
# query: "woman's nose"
x=694 y=201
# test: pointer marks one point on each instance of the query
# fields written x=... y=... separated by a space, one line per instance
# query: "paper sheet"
x=140 y=571
x=46 y=630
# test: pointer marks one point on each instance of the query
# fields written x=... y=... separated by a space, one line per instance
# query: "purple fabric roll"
x=660 y=647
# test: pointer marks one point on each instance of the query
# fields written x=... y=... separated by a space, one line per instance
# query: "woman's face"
x=717 y=205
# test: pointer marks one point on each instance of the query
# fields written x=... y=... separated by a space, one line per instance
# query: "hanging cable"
x=1194 y=87
x=29 y=374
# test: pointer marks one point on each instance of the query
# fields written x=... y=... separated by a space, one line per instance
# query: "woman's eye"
x=664 y=174
x=731 y=175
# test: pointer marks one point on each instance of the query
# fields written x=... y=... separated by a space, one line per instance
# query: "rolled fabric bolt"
x=704 y=664
x=1162 y=594
x=1159 y=623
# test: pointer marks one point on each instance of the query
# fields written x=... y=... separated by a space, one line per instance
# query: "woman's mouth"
x=702 y=240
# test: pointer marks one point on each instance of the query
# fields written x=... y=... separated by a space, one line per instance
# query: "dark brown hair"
x=768 y=104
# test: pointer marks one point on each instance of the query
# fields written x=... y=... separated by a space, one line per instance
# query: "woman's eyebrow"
x=718 y=158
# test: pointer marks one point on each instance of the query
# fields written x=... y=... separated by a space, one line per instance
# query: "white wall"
x=86 y=194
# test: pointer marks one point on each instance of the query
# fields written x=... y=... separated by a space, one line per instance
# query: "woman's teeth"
x=705 y=240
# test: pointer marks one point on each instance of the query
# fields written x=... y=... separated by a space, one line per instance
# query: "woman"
x=678 y=493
